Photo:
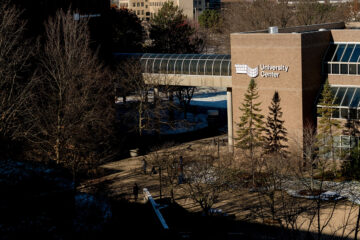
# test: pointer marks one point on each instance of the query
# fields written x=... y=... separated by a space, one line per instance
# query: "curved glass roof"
x=185 y=64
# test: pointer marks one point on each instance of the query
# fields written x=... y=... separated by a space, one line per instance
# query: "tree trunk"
x=140 y=118
x=318 y=219
x=57 y=145
x=171 y=110
x=185 y=112
x=357 y=224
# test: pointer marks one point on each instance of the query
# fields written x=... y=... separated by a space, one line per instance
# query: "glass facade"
x=346 y=102
x=342 y=58
x=342 y=146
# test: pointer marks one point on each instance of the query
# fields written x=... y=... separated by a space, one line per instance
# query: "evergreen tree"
x=170 y=32
x=327 y=126
x=275 y=130
x=127 y=33
x=210 y=19
x=250 y=127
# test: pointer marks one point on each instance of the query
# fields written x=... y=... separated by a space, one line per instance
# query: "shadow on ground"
x=37 y=202
x=138 y=221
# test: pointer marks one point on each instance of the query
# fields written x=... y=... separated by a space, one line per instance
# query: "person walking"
x=153 y=171
x=135 y=191
x=181 y=171
x=144 y=165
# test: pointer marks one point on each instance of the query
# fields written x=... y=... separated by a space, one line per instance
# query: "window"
x=142 y=4
x=138 y=4
x=344 y=113
x=342 y=58
x=142 y=12
x=335 y=113
x=346 y=102
x=344 y=68
x=339 y=52
x=352 y=69
x=134 y=4
x=335 y=68
x=147 y=13
x=347 y=53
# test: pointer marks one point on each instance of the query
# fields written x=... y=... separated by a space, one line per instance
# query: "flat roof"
x=302 y=29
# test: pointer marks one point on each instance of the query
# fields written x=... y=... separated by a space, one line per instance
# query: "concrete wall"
x=187 y=6
x=298 y=88
x=313 y=48
x=270 y=49
x=189 y=80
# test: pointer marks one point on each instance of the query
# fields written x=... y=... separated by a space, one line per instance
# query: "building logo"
x=267 y=71
x=243 y=68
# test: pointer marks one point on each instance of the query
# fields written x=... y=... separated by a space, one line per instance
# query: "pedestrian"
x=144 y=165
x=153 y=171
x=181 y=171
x=135 y=191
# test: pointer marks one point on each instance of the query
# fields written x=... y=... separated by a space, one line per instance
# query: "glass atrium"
x=342 y=58
x=346 y=102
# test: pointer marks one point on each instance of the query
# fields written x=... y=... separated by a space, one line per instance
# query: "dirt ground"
x=122 y=175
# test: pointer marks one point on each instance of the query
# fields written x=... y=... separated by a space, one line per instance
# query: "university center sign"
x=266 y=71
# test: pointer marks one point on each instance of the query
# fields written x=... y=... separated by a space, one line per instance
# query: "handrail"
x=156 y=207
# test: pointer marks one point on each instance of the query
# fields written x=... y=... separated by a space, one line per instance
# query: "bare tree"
x=149 y=106
x=184 y=95
x=167 y=162
x=309 y=151
x=206 y=177
x=15 y=54
x=312 y=12
x=242 y=16
x=73 y=110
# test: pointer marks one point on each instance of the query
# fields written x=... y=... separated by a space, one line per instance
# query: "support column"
x=156 y=95
x=230 y=119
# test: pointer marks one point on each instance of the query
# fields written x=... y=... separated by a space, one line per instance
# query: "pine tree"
x=326 y=125
x=251 y=124
x=275 y=130
x=170 y=32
